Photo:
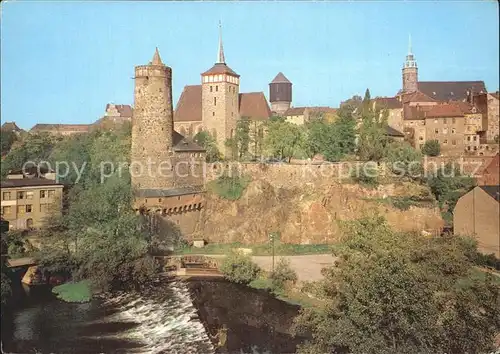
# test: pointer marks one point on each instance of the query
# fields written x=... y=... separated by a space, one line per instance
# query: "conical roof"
x=156 y=58
x=280 y=78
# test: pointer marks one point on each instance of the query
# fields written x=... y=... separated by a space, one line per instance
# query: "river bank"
x=177 y=317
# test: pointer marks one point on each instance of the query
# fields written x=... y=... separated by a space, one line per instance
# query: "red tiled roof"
x=125 y=110
x=188 y=107
x=254 y=105
x=61 y=127
x=295 y=111
x=465 y=107
x=388 y=102
x=220 y=68
x=444 y=110
x=416 y=97
x=414 y=112
x=450 y=90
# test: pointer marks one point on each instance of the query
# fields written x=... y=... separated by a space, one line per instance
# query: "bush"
x=230 y=187
x=282 y=274
x=239 y=268
x=431 y=148
x=366 y=175
x=74 y=292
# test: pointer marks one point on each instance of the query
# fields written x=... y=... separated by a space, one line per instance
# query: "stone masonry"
x=152 y=125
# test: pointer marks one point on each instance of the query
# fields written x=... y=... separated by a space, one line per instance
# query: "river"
x=178 y=317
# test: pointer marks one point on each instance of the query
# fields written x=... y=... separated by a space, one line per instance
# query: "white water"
x=166 y=324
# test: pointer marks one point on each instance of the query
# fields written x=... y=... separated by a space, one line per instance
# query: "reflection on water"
x=161 y=319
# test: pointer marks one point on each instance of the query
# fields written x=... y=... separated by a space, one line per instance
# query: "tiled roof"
x=416 y=97
x=465 y=107
x=11 y=126
x=387 y=102
x=125 y=110
x=493 y=191
x=295 y=111
x=220 y=68
x=415 y=112
x=254 y=106
x=29 y=182
x=322 y=110
x=390 y=131
x=189 y=105
x=182 y=143
x=153 y=193
x=450 y=90
x=444 y=110
x=61 y=127
x=280 y=79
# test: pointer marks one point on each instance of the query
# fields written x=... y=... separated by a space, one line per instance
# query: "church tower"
x=410 y=72
x=220 y=100
x=152 y=126
x=280 y=94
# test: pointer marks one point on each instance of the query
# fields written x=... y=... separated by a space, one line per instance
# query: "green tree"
x=401 y=293
x=242 y=136
x=373 y=140
x=283 y=139
x=404 y=161
x=7 y=138
x=431 y=148
x=366 y=104
x=208 y=142
x=239 y=268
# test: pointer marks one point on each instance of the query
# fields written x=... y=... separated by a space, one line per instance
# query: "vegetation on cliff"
x=402 y=293
x=229 y=186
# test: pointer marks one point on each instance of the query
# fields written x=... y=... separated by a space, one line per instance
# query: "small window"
x=453 y=120
x=475 y=138
x=21 y=195
x=475 y=148
x=215 y=101
x=468 y=148
x=445 y=121
x=28 y=208
x=213 y=114
x=453 y=130
x=6 y=196
x=421 y=138
x=216 y=88
x=445 y=141
x=436 y=131
x=453 y=142
x=159 y=200
x=211 y=89
x=178 y=198
x=21 y=209
x=51 y=193
x=6 y=210
x=468 y=138
x=29 y=195
x=43 y=194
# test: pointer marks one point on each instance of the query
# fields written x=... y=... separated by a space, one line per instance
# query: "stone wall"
x=152 y=126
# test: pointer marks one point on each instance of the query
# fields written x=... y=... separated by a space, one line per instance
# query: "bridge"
x=189 y=266
x=20 y=262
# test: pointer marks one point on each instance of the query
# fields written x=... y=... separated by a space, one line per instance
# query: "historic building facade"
x=217 y=105
x=166 y=168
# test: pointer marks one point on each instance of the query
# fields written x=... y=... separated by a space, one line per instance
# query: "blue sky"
x=61 y=62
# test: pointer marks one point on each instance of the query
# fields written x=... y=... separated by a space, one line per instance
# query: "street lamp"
x=271 y=239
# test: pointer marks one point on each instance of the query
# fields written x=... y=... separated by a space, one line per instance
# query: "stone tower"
x=152 y=126
x=220 y=100
x=280 y=94
x=410 y=72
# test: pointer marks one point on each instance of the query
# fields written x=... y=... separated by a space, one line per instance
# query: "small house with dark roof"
x=477 y=214
x=115 y=115
x=11 y=127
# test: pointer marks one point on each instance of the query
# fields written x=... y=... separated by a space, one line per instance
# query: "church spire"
x=220 y=57
x=156 y=58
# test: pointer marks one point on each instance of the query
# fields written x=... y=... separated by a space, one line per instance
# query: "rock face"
x=308 y=215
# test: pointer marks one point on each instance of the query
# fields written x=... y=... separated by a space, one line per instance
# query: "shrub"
x=431 y=148
x=282 y=274
x=230 y=187
x=239 y=268
x=366 y=175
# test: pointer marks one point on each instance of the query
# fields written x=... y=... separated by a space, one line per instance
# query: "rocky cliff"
x=309 y=215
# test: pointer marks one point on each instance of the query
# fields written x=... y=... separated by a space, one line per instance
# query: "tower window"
x=213 y=114
x=215 y=101
x=211 y=89
x=216 y=88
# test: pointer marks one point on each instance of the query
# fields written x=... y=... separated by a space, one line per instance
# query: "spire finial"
x=409 y=44
x=220 y=57
x=156 y=58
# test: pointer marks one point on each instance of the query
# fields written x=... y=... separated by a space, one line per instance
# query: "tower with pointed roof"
x=280 y=94
x=152 y=125
x=410 y=72
x=220 y=99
